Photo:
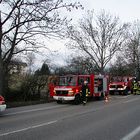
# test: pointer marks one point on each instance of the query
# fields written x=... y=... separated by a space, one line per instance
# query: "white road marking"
x=32 y=110
x=27 y=128
x=132 y=134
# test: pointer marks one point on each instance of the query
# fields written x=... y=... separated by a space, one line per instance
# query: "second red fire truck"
x=68 y=88
x=120 y=85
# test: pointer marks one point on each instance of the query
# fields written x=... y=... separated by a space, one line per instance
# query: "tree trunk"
x=1 y=78
x=102 y=69
x=6 y=84
x=4 y=88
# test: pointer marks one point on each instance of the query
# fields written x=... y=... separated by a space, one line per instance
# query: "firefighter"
x=84 y=92
x=135 y=87
x=138 y=89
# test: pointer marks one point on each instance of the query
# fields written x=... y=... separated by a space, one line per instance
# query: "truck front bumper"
x=64 y=98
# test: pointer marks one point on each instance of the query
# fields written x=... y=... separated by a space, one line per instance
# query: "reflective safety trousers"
x=135 y=86
x=87 y=92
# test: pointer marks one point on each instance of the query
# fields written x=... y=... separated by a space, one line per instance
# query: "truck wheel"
x=125 y=92
x=77 y=99
x=59 y=102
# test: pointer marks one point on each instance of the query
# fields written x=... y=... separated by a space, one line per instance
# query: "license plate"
x=60 y=98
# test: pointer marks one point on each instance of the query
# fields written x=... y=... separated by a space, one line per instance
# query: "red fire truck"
x=120 y=85
x=68 y=88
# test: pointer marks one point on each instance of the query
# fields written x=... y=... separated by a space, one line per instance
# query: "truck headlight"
x=54 y=92
x=70 y=92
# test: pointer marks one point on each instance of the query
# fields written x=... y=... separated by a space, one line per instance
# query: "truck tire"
x=77 y=99
x=125 y=92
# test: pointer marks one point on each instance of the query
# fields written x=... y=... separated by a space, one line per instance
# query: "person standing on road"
x=84 y=92
x=135 y=87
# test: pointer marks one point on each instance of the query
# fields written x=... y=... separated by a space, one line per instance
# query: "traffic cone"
x=106 y=99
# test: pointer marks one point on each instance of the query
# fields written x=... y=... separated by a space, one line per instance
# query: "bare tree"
x=81 y=65
x=132 y=49
x=99 y=36
x=21 y=22
x=120 y=67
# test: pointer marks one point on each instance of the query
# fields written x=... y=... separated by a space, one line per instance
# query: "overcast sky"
x=127 y=10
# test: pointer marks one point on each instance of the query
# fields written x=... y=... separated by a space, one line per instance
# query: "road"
x=117 y=119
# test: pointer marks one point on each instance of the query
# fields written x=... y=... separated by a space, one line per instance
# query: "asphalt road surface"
x=117 y=119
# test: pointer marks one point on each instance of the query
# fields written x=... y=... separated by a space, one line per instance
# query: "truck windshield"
x=119 y=79
x=67 y=81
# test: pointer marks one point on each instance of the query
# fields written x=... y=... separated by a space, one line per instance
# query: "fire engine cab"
x=120 y=85
x=68 y=88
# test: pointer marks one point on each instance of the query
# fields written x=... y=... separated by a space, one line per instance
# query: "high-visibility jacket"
x=135 y=86
x=138 y=89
